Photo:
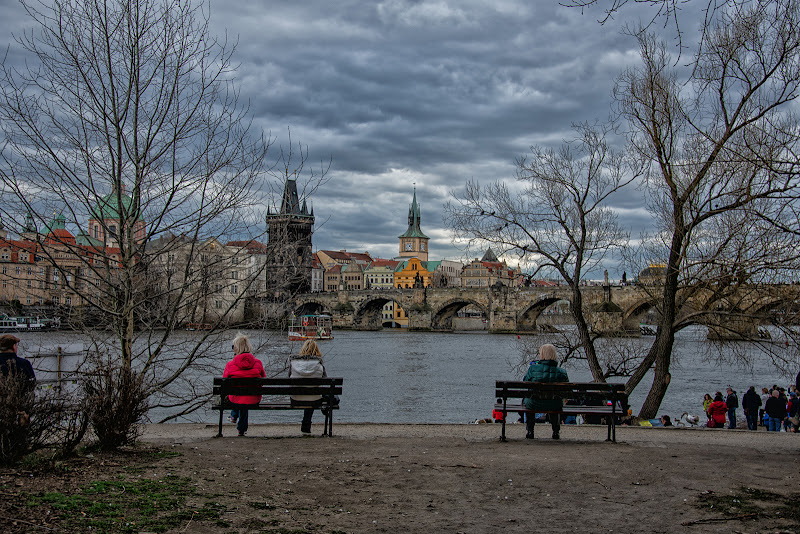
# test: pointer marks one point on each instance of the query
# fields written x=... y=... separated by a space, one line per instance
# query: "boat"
x=20 y=324
x=310 y=327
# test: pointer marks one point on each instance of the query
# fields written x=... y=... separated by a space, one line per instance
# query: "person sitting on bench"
x=243 y=365
x=307 y=364
x=546 y=369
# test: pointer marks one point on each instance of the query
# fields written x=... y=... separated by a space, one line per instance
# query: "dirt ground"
x=447 y=478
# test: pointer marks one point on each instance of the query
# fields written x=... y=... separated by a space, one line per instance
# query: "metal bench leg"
x=221 y=413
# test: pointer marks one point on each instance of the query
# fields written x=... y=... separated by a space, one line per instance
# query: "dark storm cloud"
x=431 y=93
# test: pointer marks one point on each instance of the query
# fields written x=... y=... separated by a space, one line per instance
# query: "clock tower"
x=413 y=243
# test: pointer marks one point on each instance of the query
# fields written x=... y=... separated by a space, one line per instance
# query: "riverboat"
x=20 y=324
x=318 y=327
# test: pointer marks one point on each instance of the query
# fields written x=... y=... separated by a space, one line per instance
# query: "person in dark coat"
x=546 y=369
x=732 y=401
x=10 y=363
x=751 y=402
x=776 y=410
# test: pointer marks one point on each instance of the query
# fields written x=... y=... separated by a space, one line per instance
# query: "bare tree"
x=558 y=220
x=722 y=177
x=126 y=120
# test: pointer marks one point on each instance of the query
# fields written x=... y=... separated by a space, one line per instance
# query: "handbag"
x=711 y=423
x=795 y=421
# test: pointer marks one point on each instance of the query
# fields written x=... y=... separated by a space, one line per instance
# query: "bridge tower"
x=289 y=254
x=413 y=243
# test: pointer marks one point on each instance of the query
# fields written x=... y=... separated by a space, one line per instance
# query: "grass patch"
x=753 y=503
x=127 y=506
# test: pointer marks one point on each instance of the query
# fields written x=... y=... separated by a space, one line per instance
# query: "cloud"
x=402 y=92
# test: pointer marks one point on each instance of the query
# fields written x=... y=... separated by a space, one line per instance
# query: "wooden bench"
x=610 y=399
x=275 y=394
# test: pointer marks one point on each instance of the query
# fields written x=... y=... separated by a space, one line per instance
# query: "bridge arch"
x=442 y=318
x=528 y=315
x=310 y=306
x=369 y=314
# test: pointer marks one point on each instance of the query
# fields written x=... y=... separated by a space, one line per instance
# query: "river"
x=396 y=376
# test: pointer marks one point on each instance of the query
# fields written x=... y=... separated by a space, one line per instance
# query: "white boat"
x=29 y=323
x=311 y=327
x=20 y=324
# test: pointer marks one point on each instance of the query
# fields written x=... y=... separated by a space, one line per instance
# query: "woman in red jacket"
x=717 y=411
x=243 y=365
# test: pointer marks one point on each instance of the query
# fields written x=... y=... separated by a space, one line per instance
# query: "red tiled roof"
x=384 y=263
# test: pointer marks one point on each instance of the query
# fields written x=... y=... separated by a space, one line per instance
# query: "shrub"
x=117 y=400
x=31 y=421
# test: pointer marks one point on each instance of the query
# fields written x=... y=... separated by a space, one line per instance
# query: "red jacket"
x=717 y=411
x=244 y=365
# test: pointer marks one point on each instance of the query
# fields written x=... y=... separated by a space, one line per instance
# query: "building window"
x=55 y=301
x=28 y=301
x=218 y=304
x=234 y=289
x=68 y=301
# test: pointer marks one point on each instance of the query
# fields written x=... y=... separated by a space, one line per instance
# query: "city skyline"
x=427 y=94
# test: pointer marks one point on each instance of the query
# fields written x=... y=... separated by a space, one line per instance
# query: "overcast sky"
x=431 y=93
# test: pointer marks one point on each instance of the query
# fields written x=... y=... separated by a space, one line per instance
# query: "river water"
x=396 y=376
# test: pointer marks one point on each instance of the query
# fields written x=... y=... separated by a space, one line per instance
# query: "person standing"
x=243 y=365
x=717 y=411
x=776 y=411
x=764 y=398
x=732 y=401
x=707 y=400
x=546 y=369
x=307 y=364
x=751 y=402
x=10 y=363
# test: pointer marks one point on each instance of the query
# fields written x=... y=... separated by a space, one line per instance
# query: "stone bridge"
x=610 y=310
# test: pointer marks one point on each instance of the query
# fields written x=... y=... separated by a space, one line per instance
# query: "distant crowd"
x=776 y=408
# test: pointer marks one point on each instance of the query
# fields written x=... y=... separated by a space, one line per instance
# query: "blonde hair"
x=310 y=348
x=241 y=344
x=547 y=352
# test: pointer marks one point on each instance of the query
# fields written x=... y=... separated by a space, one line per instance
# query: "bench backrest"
x=560 y=390
x=278 y=386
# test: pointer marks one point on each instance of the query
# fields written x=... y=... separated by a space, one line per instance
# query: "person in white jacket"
x=307 y=364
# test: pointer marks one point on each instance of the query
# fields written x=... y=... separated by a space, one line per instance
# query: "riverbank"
x=420 y=478
x=460 y=478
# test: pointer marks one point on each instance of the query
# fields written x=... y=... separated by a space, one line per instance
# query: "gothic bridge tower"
x=289 y=251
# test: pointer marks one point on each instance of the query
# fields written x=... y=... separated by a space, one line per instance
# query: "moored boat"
x=20 y=324
x=313 y=326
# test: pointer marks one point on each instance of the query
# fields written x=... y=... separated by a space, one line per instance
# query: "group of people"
x=306 y=364
x=775 y=408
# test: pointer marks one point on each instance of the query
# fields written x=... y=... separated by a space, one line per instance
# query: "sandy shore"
x=460 y=478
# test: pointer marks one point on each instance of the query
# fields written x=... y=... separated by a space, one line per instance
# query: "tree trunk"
x=585 y=335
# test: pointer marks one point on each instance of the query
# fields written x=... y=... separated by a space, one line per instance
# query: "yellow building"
x=414 y=273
